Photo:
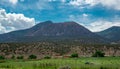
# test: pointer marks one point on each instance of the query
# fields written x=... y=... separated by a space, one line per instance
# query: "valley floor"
x=68 y=63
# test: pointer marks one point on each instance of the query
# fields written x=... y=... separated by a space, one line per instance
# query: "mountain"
x=49 y=31
x=112 y=34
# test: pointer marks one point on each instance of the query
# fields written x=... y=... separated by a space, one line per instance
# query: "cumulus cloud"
x=8 y=2
x=27 y=5
x=101 y=25
x=107 y=3
x=12 y=21
x=85 y=15
x=51 y=0
x=83 y=18
x=94 y=25
x=111 y=3
x=83 y=2
x=13 y=1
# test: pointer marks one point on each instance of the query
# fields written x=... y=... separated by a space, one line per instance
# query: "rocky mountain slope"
x=49 y=31
x=112 y=34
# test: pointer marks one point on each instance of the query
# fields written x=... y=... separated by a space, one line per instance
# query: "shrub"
x=2 y=57
x=65 y=67
x=74 y=55
x=98 y=54
x=89 y=63
x=32 y=57
x=47 y=57
x=2 y=61
x=20 y=57
x=13 y=57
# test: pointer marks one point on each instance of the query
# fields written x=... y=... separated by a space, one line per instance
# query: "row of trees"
x=20 y=57
x=74 y=55
x=96 y=54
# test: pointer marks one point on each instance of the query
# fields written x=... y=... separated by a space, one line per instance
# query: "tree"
x=98 y=54
x=74 y=55
x=20 y=57
x=32 y=57
x=13 y=57
x=2 y=57
x=47 y=57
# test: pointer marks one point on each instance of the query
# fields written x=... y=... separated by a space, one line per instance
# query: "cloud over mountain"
x=12 y=21
x=101 y=25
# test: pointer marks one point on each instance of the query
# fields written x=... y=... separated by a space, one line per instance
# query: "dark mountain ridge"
x=49 y=31
x=112 y=33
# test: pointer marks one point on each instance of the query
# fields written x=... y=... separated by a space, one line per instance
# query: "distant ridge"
x=49 y=31
x=112 y=33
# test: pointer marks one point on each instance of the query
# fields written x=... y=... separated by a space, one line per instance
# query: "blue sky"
x=95 y=15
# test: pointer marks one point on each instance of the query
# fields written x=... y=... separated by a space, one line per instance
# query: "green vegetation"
x=20 y=57
x=69 y=63
x=32 y=57
x=2 y=57
x=13 y=57
x=60 y=50
x=98 y=54
x=47 y=57
x=74 y=55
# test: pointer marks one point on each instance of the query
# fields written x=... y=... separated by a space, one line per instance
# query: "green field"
x=68 y=63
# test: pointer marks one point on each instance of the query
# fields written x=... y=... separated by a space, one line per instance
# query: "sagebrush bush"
x=32 y=57
x=12 y=57
x=74 y=55
x=20 y=57
x=98 y=54
x=65 y=67
x=47 y=57
x=2 y=57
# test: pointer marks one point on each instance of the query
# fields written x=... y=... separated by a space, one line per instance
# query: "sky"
x=96 y=15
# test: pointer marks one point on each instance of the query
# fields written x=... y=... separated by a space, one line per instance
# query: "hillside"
x=49 y=31
x=56 y=49
x=112 y=34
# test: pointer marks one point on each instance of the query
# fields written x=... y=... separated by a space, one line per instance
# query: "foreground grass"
x=71 y=63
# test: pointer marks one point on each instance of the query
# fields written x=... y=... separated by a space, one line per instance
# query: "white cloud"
x=12 y=21
x=82 y=2
x=2 y=29
x=111 y=3
x=101 y=25
x=85 y=15
x=13 y=1
x=107 y=3
x=63 y=1
x=83 y=18
x=95 y=25
x=51 y=0
x=35 y=5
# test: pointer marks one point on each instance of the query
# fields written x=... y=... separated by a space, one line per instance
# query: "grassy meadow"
x=65 y=63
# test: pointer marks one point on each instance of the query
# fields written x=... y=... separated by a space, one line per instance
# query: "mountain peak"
x=111 y=33
x=44 y=23
x=115 y=27
x=53 y=31
x=71 y=23
x=47 y=22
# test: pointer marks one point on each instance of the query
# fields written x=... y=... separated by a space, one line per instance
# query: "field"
x=66 y=63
